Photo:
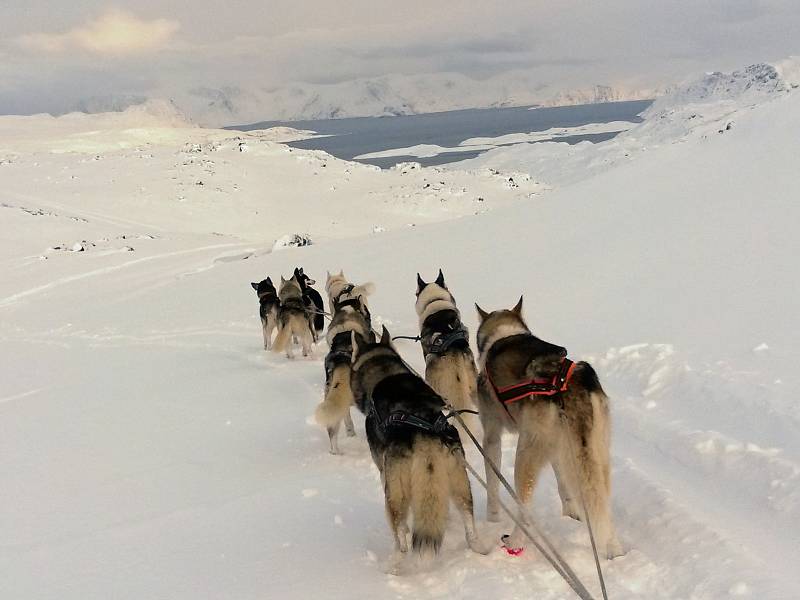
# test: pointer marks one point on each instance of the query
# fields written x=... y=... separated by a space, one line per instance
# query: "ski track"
x=106 y=270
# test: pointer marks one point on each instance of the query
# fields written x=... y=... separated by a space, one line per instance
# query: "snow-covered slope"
x=150 y=448
x=700 y=109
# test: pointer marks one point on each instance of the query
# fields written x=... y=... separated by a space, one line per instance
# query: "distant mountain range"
x=380 y=96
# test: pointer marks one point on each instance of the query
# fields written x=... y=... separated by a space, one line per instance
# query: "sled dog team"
x=521 y=383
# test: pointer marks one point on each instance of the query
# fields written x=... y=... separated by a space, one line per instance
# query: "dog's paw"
x=614 y=549
x=568 y=509
x=479 y=547
x=509 y=548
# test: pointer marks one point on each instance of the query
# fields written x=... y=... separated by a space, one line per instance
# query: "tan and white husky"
x=449 y=363
x=293 y=321
x=561 y=414
x=349 y=316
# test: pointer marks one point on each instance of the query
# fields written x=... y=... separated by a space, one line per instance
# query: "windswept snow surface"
x=151 y=449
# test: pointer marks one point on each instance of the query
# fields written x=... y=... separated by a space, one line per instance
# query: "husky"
x=293 y=321
x=449 y=363
x=418 y=453
x=338 y=288
x=313 y=302
x=561 y=414
x=350 y=316
x=268 y=308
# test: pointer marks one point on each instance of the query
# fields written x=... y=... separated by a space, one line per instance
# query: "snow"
x=151 y=449
x=487 y=143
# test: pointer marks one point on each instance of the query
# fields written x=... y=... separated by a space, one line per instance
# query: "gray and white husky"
x=449 y=363
x=561 y=414
x=268 y=308
x=293 y=319
x=338 y=289
x=349 y=316
x=416 y=450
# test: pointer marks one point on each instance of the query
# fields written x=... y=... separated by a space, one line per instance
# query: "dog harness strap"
x=538 y=386
x=442 y=342
x=345 y=290
x=353 y=302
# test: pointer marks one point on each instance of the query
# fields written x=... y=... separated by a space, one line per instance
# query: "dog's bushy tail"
x=338 y=398
x=283 y=338
x=365 y=289
x=430 y=494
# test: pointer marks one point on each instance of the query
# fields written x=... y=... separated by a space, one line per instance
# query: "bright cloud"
x=116 y=32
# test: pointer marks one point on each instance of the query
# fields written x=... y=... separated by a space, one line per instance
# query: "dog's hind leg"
x=396 y=489
x=264 y=333
x=569 y=507
x=494 y=453
x=349 y=428
x=333 y=436
x=534 y=450
x=461 y=493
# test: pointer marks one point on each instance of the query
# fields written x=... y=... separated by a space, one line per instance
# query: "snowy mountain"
x=151 y=449
x=374 y=97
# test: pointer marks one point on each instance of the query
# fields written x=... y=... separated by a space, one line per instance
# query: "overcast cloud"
x=52 y=56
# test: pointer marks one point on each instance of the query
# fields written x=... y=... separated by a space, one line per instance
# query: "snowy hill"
x=707 y=106
x=151 y=449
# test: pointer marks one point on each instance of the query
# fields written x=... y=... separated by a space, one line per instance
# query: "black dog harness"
x=439 y=343
x=345 y=290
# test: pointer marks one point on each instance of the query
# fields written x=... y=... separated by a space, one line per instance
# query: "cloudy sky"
x=53 y=54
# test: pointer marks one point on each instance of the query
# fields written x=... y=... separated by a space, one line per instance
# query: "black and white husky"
x=293 y=319
x=416 y=450
x=449 y=363
x=268 y=308
x=559 y=410
x=313 y=302
x=349 y=316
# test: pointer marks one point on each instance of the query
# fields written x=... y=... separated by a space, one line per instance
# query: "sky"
x=54 y=54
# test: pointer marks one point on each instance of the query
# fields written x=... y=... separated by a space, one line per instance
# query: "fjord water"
x=348 y=138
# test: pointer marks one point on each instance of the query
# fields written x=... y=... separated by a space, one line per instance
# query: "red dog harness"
x=538 y=386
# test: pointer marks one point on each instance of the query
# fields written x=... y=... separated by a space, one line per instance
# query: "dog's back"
x=292 y=319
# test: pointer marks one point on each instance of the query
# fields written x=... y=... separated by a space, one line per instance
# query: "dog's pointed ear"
x=517 y=310
x=440 y=279
x=328 y=274
x=282 y=280
x=481 y=313
x=341 y=272
x=386 y=337
x=269 y=280
x=255 y=286
x=420 y=284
